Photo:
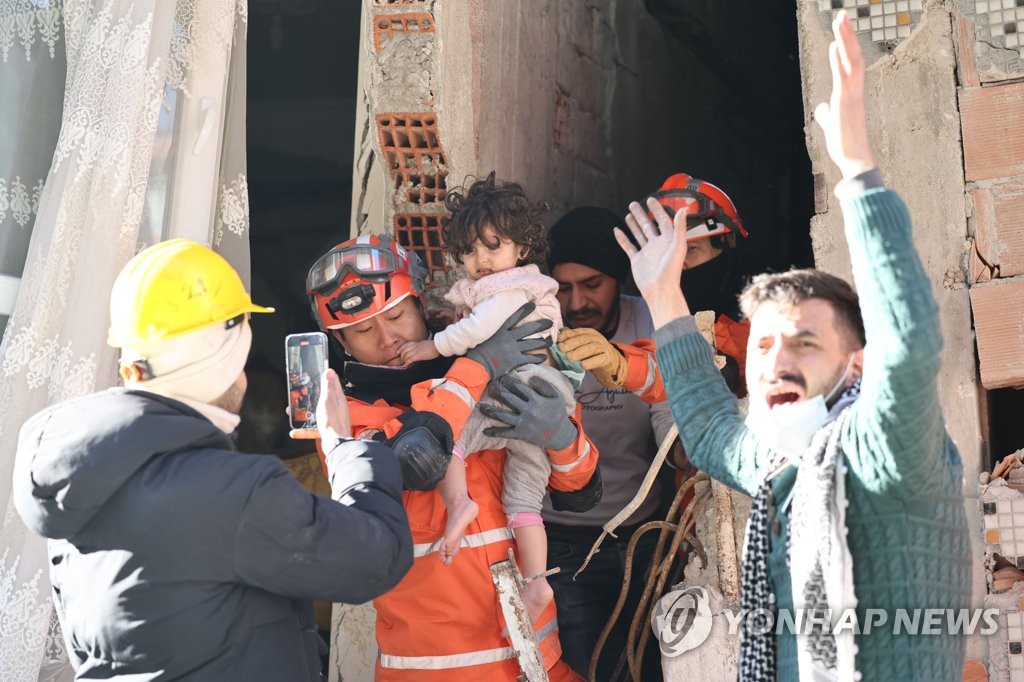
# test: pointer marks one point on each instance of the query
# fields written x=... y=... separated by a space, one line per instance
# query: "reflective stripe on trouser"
x=460 y=660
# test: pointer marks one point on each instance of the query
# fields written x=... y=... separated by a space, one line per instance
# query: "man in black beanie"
x=604 y=329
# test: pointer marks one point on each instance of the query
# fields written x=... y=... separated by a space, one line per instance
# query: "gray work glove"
x=536 y=413
x=509 y=348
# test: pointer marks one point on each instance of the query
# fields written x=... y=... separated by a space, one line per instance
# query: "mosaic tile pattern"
x=1004 y=529
x=885 y=21
x=1005 y=20
x=1015 y=645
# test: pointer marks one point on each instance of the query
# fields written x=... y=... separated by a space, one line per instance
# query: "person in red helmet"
x=713 y=276
x=441 y=622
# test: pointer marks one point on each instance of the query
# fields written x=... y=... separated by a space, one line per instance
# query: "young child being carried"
x=495 y=232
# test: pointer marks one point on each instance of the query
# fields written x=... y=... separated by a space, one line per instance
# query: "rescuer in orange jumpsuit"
x=443 y=622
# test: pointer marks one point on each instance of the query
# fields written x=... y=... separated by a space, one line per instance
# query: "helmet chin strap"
x=837 y=388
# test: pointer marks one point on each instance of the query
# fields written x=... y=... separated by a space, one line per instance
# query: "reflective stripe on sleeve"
x=458 y=390
x=652 y=372
x=562 y=468
x=474 y=540
x=460 y=660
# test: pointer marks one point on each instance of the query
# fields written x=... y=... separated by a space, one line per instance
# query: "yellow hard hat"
x=173 y=288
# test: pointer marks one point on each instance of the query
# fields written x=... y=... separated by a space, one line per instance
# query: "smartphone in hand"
x=306 y=360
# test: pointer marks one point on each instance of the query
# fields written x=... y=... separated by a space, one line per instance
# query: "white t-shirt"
x=625 y=429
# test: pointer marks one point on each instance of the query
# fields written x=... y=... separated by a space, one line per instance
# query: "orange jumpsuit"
x=444 y=622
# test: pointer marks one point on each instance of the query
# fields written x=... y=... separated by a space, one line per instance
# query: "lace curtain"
x=153 y=98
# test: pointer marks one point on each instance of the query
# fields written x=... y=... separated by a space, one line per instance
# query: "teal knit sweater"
x=907 y=526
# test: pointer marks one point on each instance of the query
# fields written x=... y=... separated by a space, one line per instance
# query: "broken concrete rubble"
x=720 y=651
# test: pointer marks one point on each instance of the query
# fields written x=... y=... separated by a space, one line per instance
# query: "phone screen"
x=306 y=360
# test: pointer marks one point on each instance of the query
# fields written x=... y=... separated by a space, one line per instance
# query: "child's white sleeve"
x=480 y=324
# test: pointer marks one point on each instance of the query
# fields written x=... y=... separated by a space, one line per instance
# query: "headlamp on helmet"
x=352 y=300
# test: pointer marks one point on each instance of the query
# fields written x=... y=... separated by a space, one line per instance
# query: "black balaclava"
x=584 y=235
x=714 y=285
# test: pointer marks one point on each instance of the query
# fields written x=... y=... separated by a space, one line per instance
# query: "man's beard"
x=231 y=400
x=609 y=323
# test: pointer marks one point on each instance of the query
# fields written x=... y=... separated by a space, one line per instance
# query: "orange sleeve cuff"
x=640 y=365
x=572 y=467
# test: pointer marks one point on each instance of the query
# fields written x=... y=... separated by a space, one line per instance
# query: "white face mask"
x=789 y=428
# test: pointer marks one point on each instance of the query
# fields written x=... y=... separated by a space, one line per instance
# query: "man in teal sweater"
x=856 y=484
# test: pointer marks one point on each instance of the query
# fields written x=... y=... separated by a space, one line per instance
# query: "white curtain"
x=150 y=146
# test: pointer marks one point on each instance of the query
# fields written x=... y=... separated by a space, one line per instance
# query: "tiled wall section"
x=1004 y=529
x=1005 y=19
x=889 y=21
x=885 y=21
x=1015 y=645
x=1003 y=514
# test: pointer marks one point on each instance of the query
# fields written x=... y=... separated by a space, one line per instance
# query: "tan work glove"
x=597 y=355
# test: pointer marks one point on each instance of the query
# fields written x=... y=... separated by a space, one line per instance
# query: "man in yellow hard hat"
x=172 y=555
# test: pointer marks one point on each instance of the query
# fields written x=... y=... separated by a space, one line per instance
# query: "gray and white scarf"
x=821 y=567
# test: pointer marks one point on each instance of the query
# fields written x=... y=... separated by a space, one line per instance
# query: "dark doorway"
x=719 y=97
x=303 y=63
x=1005 y=435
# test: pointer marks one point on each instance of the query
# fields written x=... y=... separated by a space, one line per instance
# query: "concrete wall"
x=598 y=101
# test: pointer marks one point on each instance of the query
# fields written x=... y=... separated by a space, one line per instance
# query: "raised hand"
x=658 y=262
x=843 y=118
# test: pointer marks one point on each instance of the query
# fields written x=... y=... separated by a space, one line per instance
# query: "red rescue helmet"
x=710 y=211
x=361 y=278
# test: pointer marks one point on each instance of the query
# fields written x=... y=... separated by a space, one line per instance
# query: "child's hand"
x=416 y=351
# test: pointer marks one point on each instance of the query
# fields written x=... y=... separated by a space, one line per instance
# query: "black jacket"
x=173 y=557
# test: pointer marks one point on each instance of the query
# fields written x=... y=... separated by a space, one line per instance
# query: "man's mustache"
x=583 y=312
x=791 y=379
